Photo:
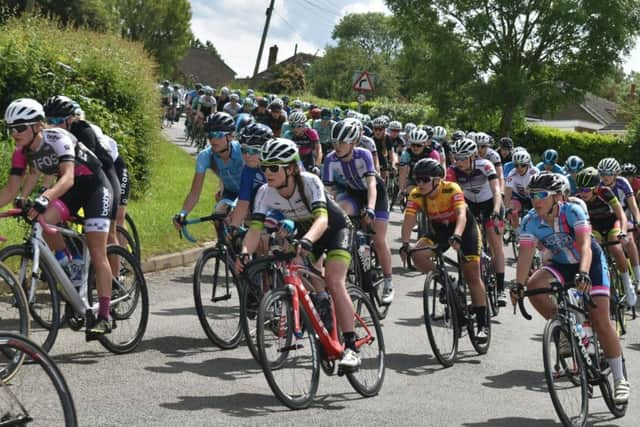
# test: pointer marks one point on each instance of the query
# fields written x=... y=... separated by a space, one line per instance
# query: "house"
x=299 y=60
x=199 y=65
x=593 y=114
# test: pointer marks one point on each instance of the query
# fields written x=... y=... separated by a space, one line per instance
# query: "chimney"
x=273 y=55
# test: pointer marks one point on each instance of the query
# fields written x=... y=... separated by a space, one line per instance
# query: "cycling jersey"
x=220 y=102
x=250 y=181
x=232 y=109
x=229 y=172
x=556 y=168
x=367 y=143
x=276 y=123
x=206 y=105
x=122 y=172
x=409 y=158
x=261 y=116
x=475 y=184
x=635 y=184
x=352 y=174
x=601 y=210
x=383 y=147
x=493 y=156
x=323 y=128
x=622 y=189
x=306 y=144
x=519 y=183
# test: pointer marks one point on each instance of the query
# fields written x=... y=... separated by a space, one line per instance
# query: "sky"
x=235 y=28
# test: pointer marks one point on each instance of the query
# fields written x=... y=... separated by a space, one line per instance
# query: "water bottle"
x=364 y=251
x=588 y=337
x=575 y=297
x=75 y=270
x=322 y=302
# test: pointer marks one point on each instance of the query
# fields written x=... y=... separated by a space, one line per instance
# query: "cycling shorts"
x=357 y=199
x=93 y=194
x=123 y=176
x=336 y=243
x=485 y=209
x=520 y=203
x=471 y=247
x=604 y=228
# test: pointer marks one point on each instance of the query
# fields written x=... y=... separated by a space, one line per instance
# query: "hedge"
x=113 y=80
x=591 y=147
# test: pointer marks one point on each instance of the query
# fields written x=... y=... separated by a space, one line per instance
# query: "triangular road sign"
x=363 y=83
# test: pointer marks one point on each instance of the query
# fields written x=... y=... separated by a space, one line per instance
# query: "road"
x=177 y=377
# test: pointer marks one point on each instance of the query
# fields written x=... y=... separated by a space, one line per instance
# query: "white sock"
x=636 y=271
x=626 y=279
x=616 y=368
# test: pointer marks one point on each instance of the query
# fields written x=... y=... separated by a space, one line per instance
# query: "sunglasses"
x=607 y=174
x=249 y=150
x=419 y=144
x=56 y=120
x=297 y=126
x=378 y=129
x=423 y=179
x=461 y=157
x=217 y=134
x=270 y=168
x=585 y=190
x=540 y=195
x=521 y=165
x=19 y=128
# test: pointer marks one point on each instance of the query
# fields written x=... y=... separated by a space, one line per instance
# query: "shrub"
x=112 y=79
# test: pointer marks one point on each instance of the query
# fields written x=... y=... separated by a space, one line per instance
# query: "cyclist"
x=166 y=96
x=81 y=183
x=440 y=138
x=485 y=151
x=564 y=229
x=550 y=162
x=223 y=157
x=191 y=95
x=630 y=171
x=410 y=156
x=349 y=171
x=260 y=113
x=384 y=146
x=277 y=116
x=222 y=99
x=505 y=150
x=322 y=227
x=572 y=166
x=206 y=105
x=247 y=105
x=307 y=140
x=233 y=107
x=610 y=169
x=394 y=135
x=323 y=127
x=607 y=221
x=516 y=195
x=408 y=127
x=453 y=225
x=479 y=180
x=243 y=120
x=352 y=126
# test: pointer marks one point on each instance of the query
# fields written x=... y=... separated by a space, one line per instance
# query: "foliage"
x=285 y=79
x=374 y=32
x=95 y=14
x=112 y=79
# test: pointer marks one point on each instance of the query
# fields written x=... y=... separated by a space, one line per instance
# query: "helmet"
x=224 y=90
x=198 y=86
x=629 y=169
x=23 y=110
x=471 y=135
x=59 y=106
x=297 y=103
x=439 y=132
x=550 y=156
x=408 y=127
x=208 y=90
x=276 y=104
x=459 y=134
x=609 y=166
x=297 y=118
x=518 y=148
x=337 y=111
x=380 y=122
x=262 y=102
x=315 y=113
x=464 y=148
x=165 y=82
x=279 y=151
x=367 y=131
x=428 y=167
x=285 y=99
x=547 y=181
x=272 y=97
x=306 y=106
x=350 y=114
x=395 y=125
x=256 y=134
x=574 y=164
x=521 y=157
x=588 y=177
x=418 y=136
x=234 y=97
x=428 y=129
x=506 y=143
x=347 y=130
x=219 y=122
x=483 y=139
x=325 y=114
x=249 y=92
x=242 y=120
x=248 y=101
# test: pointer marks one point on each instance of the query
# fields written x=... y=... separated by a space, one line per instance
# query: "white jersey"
x=368 y=143
x=519 y=183
x=108 y=143
x=493 y=156
x=475 y=184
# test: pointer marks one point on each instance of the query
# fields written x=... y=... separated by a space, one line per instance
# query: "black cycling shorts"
x=93 y=194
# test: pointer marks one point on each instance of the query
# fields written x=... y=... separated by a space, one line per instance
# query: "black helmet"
x=428 y=129
x=262 y=102
x=219 y=122
x=547 y=181
x=325 y=113
x=59 y=106
x=588 y=177
x=506 y=143
x=256 y=134
x=198 y=86
x=428 y=167
x=459 y=134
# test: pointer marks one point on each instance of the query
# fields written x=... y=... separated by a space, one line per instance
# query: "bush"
x=112 y=79
x=590 y=146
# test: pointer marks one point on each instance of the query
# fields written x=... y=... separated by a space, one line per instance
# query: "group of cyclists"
x=326 y=172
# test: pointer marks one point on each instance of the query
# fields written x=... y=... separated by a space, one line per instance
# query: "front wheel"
x=565 y=374
x=440 y=318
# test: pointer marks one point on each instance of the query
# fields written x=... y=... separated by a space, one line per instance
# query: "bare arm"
x=194 y=194
x=318 y=228
x=240 y=213
x=10 y=191
x=497 y=197
x=461 y=220
x=372 y=192
x=64 y=182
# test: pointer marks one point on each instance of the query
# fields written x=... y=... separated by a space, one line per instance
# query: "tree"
x=534 y=53
x=163 y=26
x=373 y=32
x=95 y=14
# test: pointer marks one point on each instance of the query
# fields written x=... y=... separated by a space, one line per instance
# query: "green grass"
x=172 y=170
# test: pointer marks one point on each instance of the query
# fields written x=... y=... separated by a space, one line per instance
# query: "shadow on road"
x=175 y=346
x=183 y=279
x=81 y=358
x=635 y=347
x=411 y=364
x=224 y=368
x=513 y=421
x=531 y=380
x=537 y=337
x=410 y=322
x=178 y=311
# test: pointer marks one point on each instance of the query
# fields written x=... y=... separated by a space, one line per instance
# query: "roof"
x=603 y=110
x=299 y=59
x=204 y=66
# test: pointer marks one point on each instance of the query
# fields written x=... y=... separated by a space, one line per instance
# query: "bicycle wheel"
x=617 y=307
x=290 y=363
x=514 y=245
x=14 y=318
x=377 y=287
x=472 y=327
x=133 y=231
x=440 y=318
x=126 y=241
x=258 y=278
x=489 y=280
x=370 y=343
x=42 y=294
x=606 y=384
x=38 y=394
x=565 y=374
x=217 y=298
x=129 y=303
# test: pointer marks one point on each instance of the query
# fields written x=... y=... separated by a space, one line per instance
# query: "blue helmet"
x=574 y=164
x=242 y=120
x=550 y=157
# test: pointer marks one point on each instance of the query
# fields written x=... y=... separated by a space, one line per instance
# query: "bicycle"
x=447 y=309
x=571 y=373
x=294 y=343
x=487 y=272
x=14 y=313
x=215 y=282
x=45 y=283
x=618 y=297
x=38 y=392
x=392 y=186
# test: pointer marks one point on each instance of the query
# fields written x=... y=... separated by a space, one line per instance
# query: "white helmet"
x=518 y=148
x=464 y=148
x=418 y=136
x=23 y=110
x=483 y=139
x=609 y=166
x=279 y=151
x=347 y=130
x=297 y=118
x=408 y=127
x=439 y=132
x=522 y=157
x=395 y=125
x=350 y=114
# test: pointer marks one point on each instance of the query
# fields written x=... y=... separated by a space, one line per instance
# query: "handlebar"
x=555 y=287
x=11 y=213
x=189 y=221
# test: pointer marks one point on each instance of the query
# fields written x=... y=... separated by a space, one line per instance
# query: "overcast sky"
x=235 y=28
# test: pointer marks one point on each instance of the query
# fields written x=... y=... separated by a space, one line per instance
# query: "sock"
x=481 y=316
x=500 y=281
x=616 y=368
x=626 y=280
x=387 y=282
x=636 y=271
x=349 y=340
x=103 y=307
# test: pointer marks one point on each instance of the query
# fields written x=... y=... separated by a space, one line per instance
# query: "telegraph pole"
x=264 y=37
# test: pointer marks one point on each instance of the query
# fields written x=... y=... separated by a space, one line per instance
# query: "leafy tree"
x=95 y=14
x=374 y=32
x=535 y=53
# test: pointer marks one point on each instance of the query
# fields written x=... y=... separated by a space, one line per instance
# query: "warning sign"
x=363 y=82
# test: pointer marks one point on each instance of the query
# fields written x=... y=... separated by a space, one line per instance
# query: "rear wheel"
x=606 y=386
x=440 y=318
x=133 y=231
x=14 y=318
x=472 y=328
x=126 y=241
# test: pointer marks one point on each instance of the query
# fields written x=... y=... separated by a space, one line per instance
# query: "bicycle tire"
x=127 y=330
x=574 y=370
x=514 y=245
x=437 y=296
x=258 y=277
x=368 y=379
x=14 y=312
x=472 y=327
x=276 y=314
x=617 y=410
x=617 y=309
x=377 y=287
x=31 y=396
x=45 y=325
x=491 y=288
x=133 y=231
x=126 y=241
x=217 y=298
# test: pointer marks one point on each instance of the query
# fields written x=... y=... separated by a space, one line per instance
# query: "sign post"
x=362 y=82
